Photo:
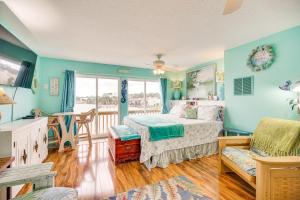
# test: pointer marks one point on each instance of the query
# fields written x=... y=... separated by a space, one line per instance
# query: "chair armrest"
x=277 y=177
x=233 y=141
x=282 y=161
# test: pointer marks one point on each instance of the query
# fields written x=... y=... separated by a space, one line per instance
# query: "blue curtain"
x=163 y=87
x=68 y=96
x=25 y=75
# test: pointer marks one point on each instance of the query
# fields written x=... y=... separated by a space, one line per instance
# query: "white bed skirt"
x=179 y=155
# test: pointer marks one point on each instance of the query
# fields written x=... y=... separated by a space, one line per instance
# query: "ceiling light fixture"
x=158 y=65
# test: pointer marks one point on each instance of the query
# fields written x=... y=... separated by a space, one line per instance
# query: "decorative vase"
x=177 y=94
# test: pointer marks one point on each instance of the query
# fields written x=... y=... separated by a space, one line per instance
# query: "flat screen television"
x=17 y=61
x=9 y=70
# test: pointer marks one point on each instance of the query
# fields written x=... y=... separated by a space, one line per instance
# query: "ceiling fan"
x=158 y=65
x=232 y=6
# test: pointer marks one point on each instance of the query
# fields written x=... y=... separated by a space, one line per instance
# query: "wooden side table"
x=5 y=163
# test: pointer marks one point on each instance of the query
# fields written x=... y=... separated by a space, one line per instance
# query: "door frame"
x=95 y=76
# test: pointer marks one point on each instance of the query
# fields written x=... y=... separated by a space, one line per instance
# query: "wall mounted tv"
x=17 y=61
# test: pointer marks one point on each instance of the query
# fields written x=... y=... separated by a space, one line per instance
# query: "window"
x=143 y=97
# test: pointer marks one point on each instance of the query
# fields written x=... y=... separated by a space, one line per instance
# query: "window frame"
x=145 y=90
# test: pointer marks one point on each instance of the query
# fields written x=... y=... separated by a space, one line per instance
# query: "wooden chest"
x=122 y=151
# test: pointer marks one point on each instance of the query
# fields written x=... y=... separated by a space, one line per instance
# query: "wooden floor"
x=92 y=173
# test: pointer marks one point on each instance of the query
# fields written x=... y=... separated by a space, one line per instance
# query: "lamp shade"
x=296 y=87
x=4 y=99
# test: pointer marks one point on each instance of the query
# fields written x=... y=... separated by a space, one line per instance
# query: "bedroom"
x=132 y=95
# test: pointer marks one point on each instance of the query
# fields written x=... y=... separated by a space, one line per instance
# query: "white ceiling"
x=7 y=36
x=130 y=32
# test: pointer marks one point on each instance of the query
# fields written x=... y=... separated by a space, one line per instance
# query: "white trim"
x=145 y=90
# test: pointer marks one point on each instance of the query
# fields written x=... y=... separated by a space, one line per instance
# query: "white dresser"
x=26 y=140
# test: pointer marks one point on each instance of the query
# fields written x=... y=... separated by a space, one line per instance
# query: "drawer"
x=129 y=142
x=127 y=157
x=127 y=149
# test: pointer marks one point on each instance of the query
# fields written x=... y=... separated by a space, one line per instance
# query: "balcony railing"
x=107 y=119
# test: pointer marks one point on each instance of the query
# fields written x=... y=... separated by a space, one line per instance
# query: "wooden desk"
x=5 y=163
x=66 y=135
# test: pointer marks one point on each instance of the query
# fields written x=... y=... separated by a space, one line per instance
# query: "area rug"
x=177 y=188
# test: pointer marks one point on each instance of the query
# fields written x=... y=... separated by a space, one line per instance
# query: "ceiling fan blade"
x=231 y=6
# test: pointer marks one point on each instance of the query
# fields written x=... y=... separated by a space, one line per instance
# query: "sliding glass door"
x=101 y=94
x=108 y=107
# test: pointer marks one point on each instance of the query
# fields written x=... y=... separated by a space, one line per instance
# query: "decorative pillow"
x=191 y=112
x=177 y=110
x=208 y=113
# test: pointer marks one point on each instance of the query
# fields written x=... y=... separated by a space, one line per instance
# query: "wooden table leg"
x=66 y=135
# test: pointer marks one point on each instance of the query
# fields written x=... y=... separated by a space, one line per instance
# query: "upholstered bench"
x=124 y=144
x=269 y=161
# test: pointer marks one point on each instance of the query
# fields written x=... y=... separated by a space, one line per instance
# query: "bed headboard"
x=201 y=103
x=197 y=103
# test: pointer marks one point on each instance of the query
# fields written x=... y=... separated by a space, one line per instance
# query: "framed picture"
x=201 y=83
x=54 y=86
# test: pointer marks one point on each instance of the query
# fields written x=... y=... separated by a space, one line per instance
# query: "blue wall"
x=50 y=67
x=25 y=99
x=244 y=112
x=172 y=76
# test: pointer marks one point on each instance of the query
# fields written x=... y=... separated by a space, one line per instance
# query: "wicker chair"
x=53 y=125
x=84 y=120
x=273 y=178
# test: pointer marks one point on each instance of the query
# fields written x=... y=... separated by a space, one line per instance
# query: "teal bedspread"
x=125 y=133
x=160 y=128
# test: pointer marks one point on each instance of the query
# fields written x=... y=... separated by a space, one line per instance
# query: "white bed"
x=200 y=139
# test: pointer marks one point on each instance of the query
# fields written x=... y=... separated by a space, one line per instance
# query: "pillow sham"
x=191 y=112
x=208 y=113
x=177 y=110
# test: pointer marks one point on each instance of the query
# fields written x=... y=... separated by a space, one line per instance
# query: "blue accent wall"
x=51 y=67
x=25 y=99
x=244 y=112
x=172 y=76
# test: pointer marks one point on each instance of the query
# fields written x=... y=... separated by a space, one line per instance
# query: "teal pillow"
x=191 y=113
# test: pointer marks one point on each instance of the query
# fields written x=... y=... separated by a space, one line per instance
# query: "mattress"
x=196 y=132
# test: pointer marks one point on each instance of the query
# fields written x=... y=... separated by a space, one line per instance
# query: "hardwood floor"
x=92 y=173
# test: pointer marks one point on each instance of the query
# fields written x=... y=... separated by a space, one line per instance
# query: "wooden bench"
x=122 y=151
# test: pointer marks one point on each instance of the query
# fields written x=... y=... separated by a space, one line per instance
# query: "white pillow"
x=177 y=109
x=208 y=113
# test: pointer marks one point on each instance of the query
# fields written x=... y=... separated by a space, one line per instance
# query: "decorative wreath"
x=261 y=58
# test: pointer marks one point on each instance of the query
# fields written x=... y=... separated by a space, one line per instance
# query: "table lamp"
x=4 y=99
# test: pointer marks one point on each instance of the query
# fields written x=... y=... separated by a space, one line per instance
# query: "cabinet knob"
x=14 y=144
x=24 y=157
x=45 y=139
x=36 y=146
